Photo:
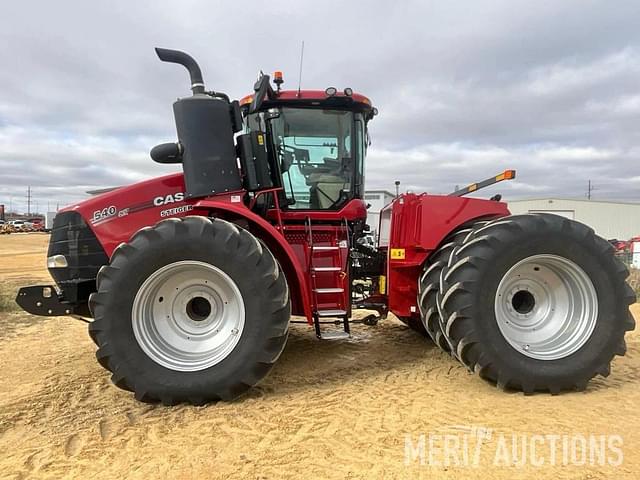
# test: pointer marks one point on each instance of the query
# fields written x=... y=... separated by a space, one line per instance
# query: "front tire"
x=536 y=303
x=190 y=310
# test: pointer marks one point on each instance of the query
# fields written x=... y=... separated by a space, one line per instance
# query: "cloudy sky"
x=465 y=89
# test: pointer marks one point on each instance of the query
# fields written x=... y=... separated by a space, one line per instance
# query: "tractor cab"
x=297 y=150
x=316 y=143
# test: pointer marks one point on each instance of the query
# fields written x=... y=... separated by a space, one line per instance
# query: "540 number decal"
x=104 y=213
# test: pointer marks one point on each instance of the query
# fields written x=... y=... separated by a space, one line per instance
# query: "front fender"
x=298 y=289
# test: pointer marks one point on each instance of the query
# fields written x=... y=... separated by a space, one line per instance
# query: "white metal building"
x=377 y=199
x=610 y=219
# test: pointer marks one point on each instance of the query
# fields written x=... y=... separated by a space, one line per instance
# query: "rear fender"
x=419 y=224
x=263 y=230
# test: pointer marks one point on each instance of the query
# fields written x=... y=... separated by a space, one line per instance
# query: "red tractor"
x=191 y=278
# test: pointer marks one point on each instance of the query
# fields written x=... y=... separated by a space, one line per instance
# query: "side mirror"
x=261 y=88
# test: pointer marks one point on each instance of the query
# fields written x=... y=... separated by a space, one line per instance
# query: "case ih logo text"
x=168 y=199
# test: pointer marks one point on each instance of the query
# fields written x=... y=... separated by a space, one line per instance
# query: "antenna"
x=300 y=73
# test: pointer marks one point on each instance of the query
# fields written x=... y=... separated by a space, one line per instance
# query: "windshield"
x=320 y=154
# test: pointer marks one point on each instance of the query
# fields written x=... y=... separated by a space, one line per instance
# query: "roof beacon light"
x=277 y=79
x=348 y=91
x=331 y=91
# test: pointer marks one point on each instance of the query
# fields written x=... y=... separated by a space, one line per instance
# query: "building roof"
x=559 y=199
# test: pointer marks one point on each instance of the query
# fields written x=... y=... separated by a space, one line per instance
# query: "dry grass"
x=7 y=298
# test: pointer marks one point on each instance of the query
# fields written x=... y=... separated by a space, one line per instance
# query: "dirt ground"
x=340 y=409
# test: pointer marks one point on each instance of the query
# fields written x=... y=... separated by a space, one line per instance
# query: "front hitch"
x=44 y=300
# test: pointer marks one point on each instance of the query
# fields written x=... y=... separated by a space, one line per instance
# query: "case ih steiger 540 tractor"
x=191 y=278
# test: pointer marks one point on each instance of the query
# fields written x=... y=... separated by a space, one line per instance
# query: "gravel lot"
x=328 y=410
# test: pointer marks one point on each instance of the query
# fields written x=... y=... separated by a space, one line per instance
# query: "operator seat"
x=329 y=183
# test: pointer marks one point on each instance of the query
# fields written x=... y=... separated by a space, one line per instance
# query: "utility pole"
x=29 y=200
x=397 y=188
x=589 y=189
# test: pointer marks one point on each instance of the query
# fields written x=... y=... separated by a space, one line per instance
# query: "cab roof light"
x=331 y=91
x=277 y=79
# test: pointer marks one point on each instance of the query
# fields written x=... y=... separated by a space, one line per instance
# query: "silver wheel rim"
x=546 y=307
x=188 y=316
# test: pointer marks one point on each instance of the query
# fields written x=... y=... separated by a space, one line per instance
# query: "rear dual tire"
x=190 y=310
x=429 y=287
x=535 y=303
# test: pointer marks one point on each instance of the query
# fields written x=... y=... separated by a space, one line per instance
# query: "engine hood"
x=112 y=215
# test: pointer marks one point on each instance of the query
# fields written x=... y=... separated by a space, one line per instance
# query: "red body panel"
x=419 y=223
x=116 y=215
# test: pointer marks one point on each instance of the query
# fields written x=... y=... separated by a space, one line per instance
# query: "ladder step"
x=326 y=269
x=325 y=249
x=334 y=335
x=329 y=290
x=331 y=313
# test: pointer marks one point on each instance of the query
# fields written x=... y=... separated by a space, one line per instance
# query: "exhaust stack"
x=187 y=61
x=205 y=127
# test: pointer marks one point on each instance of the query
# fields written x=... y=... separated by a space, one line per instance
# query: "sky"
x=465 y=89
